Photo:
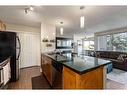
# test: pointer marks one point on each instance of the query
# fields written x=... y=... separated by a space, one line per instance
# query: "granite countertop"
x=58 y=57
x=85 y=63
x=79 y=64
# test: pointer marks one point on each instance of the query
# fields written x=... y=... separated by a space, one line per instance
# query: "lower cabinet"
x=46 y=65
x=69 y=79
x=51 y=72
x=93 y=79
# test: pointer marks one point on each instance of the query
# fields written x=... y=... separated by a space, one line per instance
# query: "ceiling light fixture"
x=29 y=9
x=61 y=28
x=82 y=18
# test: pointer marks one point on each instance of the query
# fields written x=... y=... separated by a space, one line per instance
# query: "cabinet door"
x=47 y=68
x=43 y=65
x=69 y=79
x=49 y=73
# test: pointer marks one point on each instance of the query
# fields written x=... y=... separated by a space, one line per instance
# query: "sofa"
x=119 y=59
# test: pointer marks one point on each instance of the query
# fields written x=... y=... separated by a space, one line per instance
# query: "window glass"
x=117 y=42
x=109 y=45
x=102 y=43
x=88 y=45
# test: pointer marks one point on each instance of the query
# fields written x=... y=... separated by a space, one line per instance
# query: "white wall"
x=78 y=37
x=66 y=34
x=22 y=28
x=47 y=31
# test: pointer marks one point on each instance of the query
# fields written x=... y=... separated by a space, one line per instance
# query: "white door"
x=30 y=49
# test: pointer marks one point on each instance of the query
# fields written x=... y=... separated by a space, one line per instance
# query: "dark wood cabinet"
x=46 y=65
x=52 y=74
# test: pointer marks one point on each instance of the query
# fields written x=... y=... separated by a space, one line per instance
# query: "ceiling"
x=98 y=18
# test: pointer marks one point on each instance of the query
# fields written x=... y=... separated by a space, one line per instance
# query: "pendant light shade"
x=82 y=22
x=61 y=28
x=61 y=31
x=82 y=18
x=29 y=9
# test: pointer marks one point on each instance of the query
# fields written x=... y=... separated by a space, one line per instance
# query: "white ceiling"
x=98 y=18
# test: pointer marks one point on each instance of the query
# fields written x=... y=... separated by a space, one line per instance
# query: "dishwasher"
x=57 y=75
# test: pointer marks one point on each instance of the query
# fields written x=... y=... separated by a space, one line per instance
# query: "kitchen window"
x=117 y=42
x=113 y=42
x=88 y=45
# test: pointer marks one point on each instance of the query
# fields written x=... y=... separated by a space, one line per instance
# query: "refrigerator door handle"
x=19 y=47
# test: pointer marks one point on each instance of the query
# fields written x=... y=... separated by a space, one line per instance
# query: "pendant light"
x=61 y=28
x=85 y=38
x=82 y=22
x=82 y=18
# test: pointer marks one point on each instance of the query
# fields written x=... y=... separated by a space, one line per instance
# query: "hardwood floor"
x=24 y=81
x=26 y=74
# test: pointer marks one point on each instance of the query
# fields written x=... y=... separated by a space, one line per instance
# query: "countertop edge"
x=85 y=71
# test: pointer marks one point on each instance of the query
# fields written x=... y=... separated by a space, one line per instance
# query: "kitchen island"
x=78 y=72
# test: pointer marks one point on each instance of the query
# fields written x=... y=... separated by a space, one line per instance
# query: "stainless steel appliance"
x=57 y=75
x=10 y=46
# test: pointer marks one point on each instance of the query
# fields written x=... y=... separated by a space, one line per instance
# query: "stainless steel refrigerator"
x=10 y=46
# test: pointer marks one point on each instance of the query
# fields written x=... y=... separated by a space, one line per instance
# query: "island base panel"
x=89 y=80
